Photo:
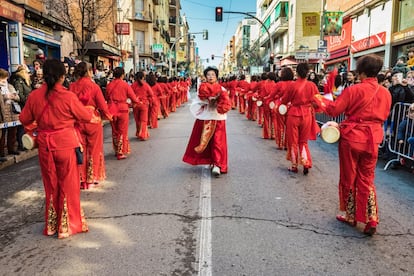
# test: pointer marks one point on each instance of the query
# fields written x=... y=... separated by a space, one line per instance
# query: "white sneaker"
x=215 y=171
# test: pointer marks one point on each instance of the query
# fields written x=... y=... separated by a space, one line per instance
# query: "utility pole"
x=173 y=46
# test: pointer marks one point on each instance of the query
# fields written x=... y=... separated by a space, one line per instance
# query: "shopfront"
x=102 y=54
x=39 y=36
x=403 y=38
x=11 y=17
x=371 y=34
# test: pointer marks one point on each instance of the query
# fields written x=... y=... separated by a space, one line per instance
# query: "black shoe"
x=3 y=159
x=394 y=165
x=13 y=152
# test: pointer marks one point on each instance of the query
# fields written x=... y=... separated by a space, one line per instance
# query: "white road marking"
x=205 y=248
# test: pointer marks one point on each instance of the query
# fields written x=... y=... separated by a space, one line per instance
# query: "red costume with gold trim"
x=90 y=94
x=210 y=132
x=57 y=139
x=118 y=91
x=300 y=121
x=366 y=106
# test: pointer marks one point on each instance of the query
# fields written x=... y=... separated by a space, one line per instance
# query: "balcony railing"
x=277 y=27
x=143 y=16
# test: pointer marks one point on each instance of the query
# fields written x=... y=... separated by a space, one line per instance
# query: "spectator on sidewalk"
x=23 y=87
x=10 y=97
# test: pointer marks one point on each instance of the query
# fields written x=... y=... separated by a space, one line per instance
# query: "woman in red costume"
x=117 y=92
x=242 y=88
x=155 y=109
x=208 y=140
x=89 y=93
x=56 y=110
x=366 y=106
x=279 y=120
x=144 y=95
x=300 y=121
x=267 y=88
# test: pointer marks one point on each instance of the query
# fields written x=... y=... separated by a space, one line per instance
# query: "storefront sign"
x=368 y=42
x=10 y=11
x=403 y=35
x=340 y=41
x=38 y=25
x=157 y=48
x=122 y=28
x=311 y=23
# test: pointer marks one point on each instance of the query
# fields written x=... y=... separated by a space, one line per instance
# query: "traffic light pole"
x=263 y=25
x=171 y=50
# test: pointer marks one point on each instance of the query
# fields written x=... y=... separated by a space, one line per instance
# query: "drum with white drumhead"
x=330 y=132
x=282 y=109
x=272 y=105
x=259 y=103
x=29 y=140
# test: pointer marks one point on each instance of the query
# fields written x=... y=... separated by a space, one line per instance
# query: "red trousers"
x=298 y=129
x=357 y=193
x=141 y=121
x=120 y=139
x=93 y=167
x=60 y=174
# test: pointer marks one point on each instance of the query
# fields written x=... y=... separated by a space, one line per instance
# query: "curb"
x=13 y=159
x=24 y=155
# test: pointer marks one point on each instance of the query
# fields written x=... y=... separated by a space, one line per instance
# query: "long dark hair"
x=138 y=77
x=82 y=69
x=53 y=70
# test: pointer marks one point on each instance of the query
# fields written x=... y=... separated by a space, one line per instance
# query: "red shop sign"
x=122 y=28
x=368 y=42
x=12 y=12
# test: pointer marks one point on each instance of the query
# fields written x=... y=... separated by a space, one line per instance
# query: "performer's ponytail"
x=53 y=70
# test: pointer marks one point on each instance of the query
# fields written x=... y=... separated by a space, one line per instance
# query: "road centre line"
x=205 y=247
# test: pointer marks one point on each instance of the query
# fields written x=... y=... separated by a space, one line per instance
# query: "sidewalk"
x=13 y=159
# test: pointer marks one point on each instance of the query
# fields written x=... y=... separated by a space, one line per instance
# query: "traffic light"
x=219 y=14
x=212 y=57
x=205 y=34
x=272 y=58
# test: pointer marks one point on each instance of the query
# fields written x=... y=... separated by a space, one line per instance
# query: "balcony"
x=156 y=25
x=172 y=20
x=276 y=28
x=143 y=16
x=144 y=50
x=173 y=3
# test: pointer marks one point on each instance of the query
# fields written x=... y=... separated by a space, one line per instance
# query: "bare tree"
x=84 y=17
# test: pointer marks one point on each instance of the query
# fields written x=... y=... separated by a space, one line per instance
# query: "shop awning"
x=288 y=61
x=100 y=48
x=162 y=64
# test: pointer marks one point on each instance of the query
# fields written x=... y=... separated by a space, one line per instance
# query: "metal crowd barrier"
x=9 y=124
x=405 y=149
x=322 y=118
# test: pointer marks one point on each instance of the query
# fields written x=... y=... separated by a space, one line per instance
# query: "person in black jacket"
x=22 y=84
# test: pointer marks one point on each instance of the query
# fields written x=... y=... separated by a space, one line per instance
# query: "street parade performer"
x=118 y=92
x=89 y=93
x=208 y=140
x=366 y=106
x=56 y=110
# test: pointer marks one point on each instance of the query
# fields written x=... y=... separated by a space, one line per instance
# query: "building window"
x=406 y=14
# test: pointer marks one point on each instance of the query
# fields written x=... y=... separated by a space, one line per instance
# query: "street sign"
x=157 y=48
x=322 y=46
x=311 y=55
